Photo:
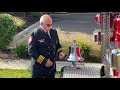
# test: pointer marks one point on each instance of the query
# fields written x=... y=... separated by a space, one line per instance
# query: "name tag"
x=42 y=40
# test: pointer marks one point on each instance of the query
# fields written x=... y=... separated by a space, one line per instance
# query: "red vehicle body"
x=110 y=49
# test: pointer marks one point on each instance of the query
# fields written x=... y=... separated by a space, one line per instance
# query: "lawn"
x=9 y=73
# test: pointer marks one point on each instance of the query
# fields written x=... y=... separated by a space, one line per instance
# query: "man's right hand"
x=48 y=63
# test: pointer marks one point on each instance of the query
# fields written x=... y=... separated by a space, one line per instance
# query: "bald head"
x=46 y=22
x=45 y=18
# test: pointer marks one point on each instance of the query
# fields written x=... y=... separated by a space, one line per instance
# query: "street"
x=76 y=22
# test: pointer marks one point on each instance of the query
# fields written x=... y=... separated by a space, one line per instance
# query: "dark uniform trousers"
x=41 y=48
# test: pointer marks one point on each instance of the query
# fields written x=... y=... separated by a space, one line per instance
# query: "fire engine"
x=108 y=36
x=109 y=39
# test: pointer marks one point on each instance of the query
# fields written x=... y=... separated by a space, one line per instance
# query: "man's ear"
x=41 y=23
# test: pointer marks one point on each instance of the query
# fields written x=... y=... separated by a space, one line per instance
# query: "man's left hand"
x=62 y=55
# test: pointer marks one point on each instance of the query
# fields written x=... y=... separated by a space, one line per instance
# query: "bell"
x=74 y=54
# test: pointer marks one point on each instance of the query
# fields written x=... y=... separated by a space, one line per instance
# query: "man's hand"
x=48 y=63
x=62 y=55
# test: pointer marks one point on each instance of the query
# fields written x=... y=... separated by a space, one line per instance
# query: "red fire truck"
x=108 y=36
x=109 y=39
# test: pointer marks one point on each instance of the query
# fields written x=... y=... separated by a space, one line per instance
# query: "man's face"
x=47 y=25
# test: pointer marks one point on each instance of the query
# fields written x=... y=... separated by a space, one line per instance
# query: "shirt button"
x=48 y=53
x=48 y=47
x=54 y=52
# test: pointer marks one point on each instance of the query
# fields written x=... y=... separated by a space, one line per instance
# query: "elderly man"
x=43 y=45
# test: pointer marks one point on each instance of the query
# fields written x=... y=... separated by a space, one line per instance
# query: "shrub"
x=21 y=51
x=7 y=30
x=20 y=23
x=85 y=49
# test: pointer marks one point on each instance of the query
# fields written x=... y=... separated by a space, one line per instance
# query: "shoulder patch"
x=30 y=39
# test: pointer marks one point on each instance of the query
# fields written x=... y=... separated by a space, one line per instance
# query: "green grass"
x=57 y=75
x=9 y=73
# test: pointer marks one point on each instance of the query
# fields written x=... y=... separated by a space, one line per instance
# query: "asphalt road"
x=76 y=22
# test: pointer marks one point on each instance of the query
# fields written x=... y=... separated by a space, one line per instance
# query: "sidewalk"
x=15 y=64
x=25 y=64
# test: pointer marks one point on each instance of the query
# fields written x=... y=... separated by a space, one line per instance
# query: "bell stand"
x=77 y=64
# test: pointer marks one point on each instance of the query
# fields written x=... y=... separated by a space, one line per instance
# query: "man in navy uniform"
x=43 y=45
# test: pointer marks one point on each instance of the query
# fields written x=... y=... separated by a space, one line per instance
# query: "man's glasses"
x=49 y=25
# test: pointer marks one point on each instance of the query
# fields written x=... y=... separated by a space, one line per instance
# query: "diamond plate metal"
x=89 y=70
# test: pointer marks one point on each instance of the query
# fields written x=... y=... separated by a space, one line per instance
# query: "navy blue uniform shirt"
x=41 y=47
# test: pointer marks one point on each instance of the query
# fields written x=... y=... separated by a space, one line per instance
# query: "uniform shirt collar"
x=45 y=31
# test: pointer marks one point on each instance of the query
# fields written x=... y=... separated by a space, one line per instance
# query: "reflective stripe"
x=40 y=59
